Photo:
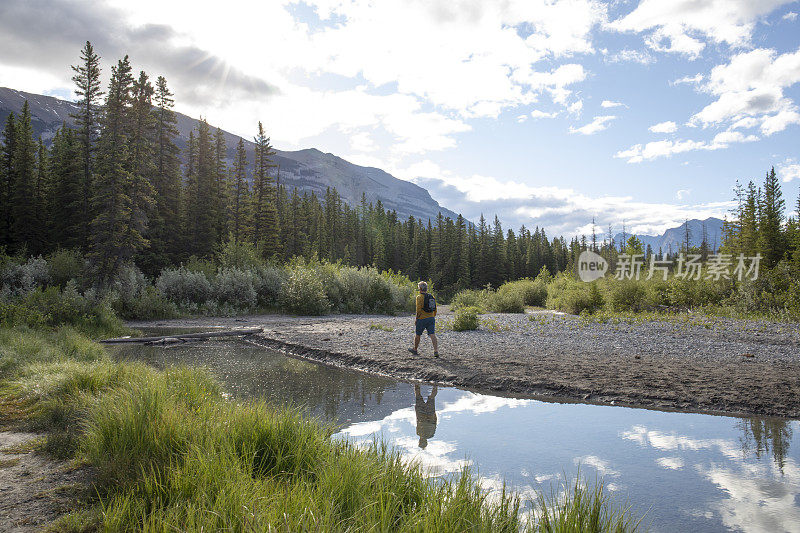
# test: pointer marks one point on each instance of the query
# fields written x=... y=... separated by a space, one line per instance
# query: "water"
x=687 y=472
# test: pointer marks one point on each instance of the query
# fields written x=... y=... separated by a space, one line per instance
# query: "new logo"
x=591 y=266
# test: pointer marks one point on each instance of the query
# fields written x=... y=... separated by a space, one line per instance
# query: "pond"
x=687 y=472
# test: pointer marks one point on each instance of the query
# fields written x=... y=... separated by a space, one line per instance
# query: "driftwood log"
x=183 y=337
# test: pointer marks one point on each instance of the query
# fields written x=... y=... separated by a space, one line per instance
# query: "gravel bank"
x=682 y=363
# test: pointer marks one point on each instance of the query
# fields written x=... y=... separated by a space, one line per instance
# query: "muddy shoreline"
x=693 y=364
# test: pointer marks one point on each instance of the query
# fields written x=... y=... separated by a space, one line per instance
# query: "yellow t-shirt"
x=420 y=312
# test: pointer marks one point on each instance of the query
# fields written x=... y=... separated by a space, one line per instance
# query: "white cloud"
x=676 y=26
x=610 y=103
x=691 y=80
x=683 y=193
x=666 y=148
x=751 y=86
x=575 y=107
x=536 y=114
x=628 y=55
x=563 y=211
x=664 y=127
x=791 y=16
x=599 y=124
x=672 y=463
x=789 y=171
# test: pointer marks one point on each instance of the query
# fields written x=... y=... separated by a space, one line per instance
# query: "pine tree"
x=771 y=237
x=748 y=222
x=265 y=214
x=43 y=196
x=87 y=81
x=110 y=239
x=204 y=230
x=67 y=178
x=189 y=193
x=165 y=240
x=240 y=198
x=7 y=180
x=141 y=164
x=222 y=191
x=24 y=228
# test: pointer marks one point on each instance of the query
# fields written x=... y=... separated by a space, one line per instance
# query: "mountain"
x=306 y=170
x=672 y=239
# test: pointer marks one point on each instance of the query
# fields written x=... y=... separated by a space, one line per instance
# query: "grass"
x=583 y=507
x=381 y=327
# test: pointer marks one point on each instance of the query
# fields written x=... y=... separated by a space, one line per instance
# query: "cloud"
x=790 y=16
x=488 y=48
x=609 y=104
x=563 y=211
x=627 y=55
x=575 y=107
x=671 y=463
x=664 y=127
x=751 y=86
x=692 y=80
x=666 y=148
x=598 y=124
x=536 y=114
x=789 y=171
x=682 y=193
x=61 y=29
x=677 y=27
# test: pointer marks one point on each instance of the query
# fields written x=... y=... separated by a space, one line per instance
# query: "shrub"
x=184 y=286
x=574 y=297
x=235 y=288
x=129 y=283
x=151 y=305
x=65 y=265
x=269 y=282
x=470 y=298
x=466 y=319
x=195 y=264
x=506 y=302
x=304 y=293
x=242 y=255
x=627 y=295
x=532 y=292
x=23 y=278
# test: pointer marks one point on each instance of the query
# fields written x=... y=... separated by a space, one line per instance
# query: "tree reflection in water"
x=762 y=436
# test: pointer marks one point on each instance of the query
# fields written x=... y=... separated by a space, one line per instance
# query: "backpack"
x=429 y=304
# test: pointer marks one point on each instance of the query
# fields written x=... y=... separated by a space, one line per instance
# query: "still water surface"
x=688 y=472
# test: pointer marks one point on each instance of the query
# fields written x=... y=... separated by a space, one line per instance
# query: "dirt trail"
x=34 y=490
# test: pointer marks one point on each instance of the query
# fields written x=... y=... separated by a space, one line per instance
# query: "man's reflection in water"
x=426 y=415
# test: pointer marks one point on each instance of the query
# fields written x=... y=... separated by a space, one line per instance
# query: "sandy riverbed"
x=683 y=363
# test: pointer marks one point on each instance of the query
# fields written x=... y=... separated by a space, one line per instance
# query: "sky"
x=545 y=112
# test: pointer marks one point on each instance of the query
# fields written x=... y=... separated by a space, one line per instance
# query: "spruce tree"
x=110 y=243
x=265 y=214
x=240 y=197
x=24 y=228
x=164 y=237
x=204 y=229
x=87 y=119
x=770 y=229
x=141 y=164
x=43 y=196
x=7 y=180
x=67 y=189
x=222 y=191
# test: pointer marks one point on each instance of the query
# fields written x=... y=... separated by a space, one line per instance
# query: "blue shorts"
x=426 y=324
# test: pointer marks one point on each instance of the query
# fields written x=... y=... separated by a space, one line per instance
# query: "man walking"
x=426 y=319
